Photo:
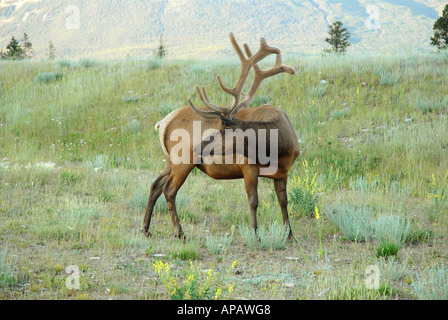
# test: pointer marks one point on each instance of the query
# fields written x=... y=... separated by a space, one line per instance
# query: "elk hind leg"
x=156 y=190
x=175 y=181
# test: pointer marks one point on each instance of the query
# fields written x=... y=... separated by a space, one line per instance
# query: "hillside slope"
x=199 y=28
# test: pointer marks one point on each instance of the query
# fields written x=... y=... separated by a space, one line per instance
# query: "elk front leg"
x=282 y=196
x=156 y=190
x=251 y=184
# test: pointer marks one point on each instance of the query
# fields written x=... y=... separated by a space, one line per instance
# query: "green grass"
x=78 y=155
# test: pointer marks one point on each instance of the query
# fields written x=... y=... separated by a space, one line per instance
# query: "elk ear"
x=229 y=124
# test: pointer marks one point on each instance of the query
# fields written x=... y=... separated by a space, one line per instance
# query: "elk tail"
x=161 y=126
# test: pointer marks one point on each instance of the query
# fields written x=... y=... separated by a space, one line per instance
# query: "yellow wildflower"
x=218 y=293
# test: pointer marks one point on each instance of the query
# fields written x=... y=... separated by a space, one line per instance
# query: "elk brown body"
x=218 y=120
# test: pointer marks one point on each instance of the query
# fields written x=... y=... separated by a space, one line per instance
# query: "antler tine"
x=249 y=54
x=237 y=48
x=204 y=99
x=202 y=113
x=223 y=87
x=260 y=75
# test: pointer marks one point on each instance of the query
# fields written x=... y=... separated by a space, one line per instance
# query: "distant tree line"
x=339 y=35
x=17 y=51
x=22 y=50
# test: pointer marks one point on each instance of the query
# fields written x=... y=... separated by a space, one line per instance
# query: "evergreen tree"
x=51 y=51
x=338 y=38
x=14 y=51
x=440 y=38
x=27 y=46
x=161 y=51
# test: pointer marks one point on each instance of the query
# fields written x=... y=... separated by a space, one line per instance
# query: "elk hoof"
x=292 y=239
x=181 y=237
x=146 y=232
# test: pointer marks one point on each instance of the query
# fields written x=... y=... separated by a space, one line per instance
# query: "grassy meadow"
x=78 y=152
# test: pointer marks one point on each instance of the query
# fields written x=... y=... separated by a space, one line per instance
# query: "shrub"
x=431 y=105
x=433 y=285
x=318 y=91
x=392 y=269
x=389 y=79
x=98 y=163
x=153 y=64
x=132 y=126
x=339 y=114
x=391 y=232
x=67 y=64
x=87 y=63
x=132 y=97
x=47 y=77
x=393 y=228
x=274 y=237
x=7 y=267
x=218 y=244
x=249 y=236
x=355 y=223
x=362 y=185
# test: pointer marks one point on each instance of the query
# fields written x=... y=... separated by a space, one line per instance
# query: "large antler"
x=247 y=63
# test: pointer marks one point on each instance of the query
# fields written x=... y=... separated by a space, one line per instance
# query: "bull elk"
x=217 y=128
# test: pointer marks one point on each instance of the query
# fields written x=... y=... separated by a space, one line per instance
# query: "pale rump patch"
x=161 y=126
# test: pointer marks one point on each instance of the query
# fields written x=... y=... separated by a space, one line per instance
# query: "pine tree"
x=338 y=38
x=161 y=51
x=51 y=51
x=14 y=51
x=440 y=38
x=27 y=47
